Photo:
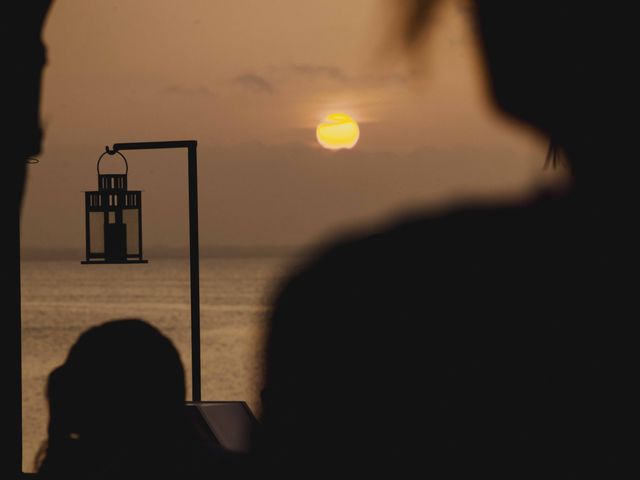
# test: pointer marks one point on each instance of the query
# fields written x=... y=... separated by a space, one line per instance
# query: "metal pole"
x=194 y=255
x=194 y=251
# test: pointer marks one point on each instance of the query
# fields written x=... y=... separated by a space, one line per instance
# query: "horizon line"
x=222 y=251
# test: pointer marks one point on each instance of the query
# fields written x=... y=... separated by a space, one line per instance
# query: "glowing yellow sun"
x=338 y=131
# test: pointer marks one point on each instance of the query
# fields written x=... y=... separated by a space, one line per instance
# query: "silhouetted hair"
x=416 y=18
x=563 y=67
x=122 y=381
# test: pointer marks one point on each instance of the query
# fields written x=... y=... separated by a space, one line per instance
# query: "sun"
x=338 y=131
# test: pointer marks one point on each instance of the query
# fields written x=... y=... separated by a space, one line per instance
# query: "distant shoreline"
x=169 y=253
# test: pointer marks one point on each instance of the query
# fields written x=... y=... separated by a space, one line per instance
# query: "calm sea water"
x=61 y=299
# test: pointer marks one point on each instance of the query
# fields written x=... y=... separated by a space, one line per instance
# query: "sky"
x=250 y=80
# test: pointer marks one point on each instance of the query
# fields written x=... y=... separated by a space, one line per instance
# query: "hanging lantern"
x=113 y=218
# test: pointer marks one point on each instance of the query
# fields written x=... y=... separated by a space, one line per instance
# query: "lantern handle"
x=113 y=152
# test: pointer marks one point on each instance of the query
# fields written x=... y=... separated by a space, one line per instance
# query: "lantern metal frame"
x=112 y=200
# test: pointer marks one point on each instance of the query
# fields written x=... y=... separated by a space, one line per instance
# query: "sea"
x=62 y=298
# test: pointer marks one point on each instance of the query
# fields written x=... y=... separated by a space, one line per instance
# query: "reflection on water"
x=60 y=299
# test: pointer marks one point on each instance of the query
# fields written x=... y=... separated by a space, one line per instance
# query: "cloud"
x=254 y=82
x=383 y=79
x=327 y=71
x=336 y=74
x=181 y=90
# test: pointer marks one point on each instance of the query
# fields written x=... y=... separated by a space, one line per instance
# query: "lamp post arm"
x=152 y=145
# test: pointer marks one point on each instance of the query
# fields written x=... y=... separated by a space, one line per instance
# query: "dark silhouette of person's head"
x=460 y=343
x=564 y=68
x=127 y=367
x=117 y=406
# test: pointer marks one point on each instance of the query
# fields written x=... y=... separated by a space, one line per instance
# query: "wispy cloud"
x=327 y=71
x=383 y=79
x=182 y=90
x=323 y=76
x=254 y=82
x=335 y=74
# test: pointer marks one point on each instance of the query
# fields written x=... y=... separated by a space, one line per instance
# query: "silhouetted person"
x=483 y=341
x=23 y=58
x=117 y=410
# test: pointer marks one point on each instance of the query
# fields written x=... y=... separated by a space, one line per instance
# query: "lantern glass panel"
x=96 y=229
x=130 y=217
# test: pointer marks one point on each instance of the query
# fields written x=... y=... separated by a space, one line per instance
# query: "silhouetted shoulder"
x=465 y=330
x=463 y=236
x=433 y=272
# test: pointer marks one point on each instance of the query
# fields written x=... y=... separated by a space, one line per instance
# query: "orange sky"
x=250 y=79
